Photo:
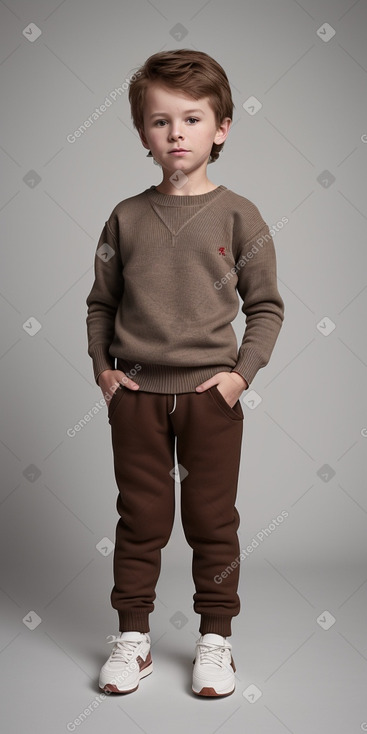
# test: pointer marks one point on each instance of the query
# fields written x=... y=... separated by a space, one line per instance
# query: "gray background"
x=300 y=637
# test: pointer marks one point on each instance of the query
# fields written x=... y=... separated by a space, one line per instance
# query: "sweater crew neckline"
x=186 y=200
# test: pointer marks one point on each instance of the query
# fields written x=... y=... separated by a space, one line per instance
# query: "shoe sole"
x=212 y=693
x=111 y=688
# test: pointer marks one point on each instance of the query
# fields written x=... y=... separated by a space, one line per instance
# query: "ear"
x=143 y=138
x=222 y=131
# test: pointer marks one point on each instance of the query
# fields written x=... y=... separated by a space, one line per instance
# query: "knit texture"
x=168 y=272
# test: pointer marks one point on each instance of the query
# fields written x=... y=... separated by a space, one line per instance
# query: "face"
x=175 y=120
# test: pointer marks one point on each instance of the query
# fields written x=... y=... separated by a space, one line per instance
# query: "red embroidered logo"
x=222 y=250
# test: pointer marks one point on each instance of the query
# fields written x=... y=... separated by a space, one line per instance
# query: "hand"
x=232 y=385
x=109 y=381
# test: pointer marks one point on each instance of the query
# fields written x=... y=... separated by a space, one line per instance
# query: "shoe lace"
x=213 y=654
x=123 y=650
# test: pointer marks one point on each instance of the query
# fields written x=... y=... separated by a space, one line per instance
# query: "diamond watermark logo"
x=105 y=546
x=326 y=32
x=326 y=179
x=252 y=399
x=178 y=32
x=32 y=326
x=105 y=252
x=32 y=620
x=326 y=472
x=32 y=472
x=32 y=179
x=252 y=693
x=178 y=179
x=252 y=105
x=178 y=473
x=325 y=326
x=178 y=620
x=31 y=32
x=326 y=620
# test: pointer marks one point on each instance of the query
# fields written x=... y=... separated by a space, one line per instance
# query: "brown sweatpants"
x=209 y=437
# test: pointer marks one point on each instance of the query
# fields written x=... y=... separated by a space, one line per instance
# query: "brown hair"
x=193 y=72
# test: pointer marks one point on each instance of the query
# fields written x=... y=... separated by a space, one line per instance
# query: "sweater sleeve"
x=103 y=299
x=262 y=303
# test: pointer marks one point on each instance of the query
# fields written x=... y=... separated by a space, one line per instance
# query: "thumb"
x=205 y=385
x=125 y=380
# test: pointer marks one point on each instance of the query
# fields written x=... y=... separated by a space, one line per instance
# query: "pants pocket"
x=115 y=400
x=235 y=413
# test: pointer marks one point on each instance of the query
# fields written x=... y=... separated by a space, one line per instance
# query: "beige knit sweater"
x=168 y=271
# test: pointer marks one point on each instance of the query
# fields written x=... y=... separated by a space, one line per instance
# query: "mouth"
x=178 y=150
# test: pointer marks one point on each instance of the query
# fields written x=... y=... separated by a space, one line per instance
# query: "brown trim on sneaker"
x=210 y=692
x=144 y=663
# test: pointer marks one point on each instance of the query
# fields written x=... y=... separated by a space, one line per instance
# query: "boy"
x=168 y=266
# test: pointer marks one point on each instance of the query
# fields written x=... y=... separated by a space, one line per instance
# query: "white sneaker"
x=214 y=668
x=129 y=661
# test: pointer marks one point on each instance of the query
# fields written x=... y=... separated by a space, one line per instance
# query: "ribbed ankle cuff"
x=217 y=624
x=134 y=619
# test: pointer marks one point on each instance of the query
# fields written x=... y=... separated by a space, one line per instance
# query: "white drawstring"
x=174 y=405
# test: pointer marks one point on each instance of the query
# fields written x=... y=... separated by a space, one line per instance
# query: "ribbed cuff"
x=101 y=360
x=248 y=363
x=217 y=624
x=134 y=619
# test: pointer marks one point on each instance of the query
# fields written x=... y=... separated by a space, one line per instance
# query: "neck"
x=194 y=185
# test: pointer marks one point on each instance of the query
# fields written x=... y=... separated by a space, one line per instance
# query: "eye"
x=157 y=123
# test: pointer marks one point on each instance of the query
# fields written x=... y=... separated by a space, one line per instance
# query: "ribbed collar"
x=177 y=200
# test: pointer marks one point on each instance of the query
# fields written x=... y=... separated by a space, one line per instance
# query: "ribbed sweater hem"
x=169 y=379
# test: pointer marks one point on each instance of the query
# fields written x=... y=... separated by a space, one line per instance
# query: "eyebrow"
x=164 y=114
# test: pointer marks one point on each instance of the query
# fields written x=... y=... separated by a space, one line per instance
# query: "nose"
x=175 y=134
